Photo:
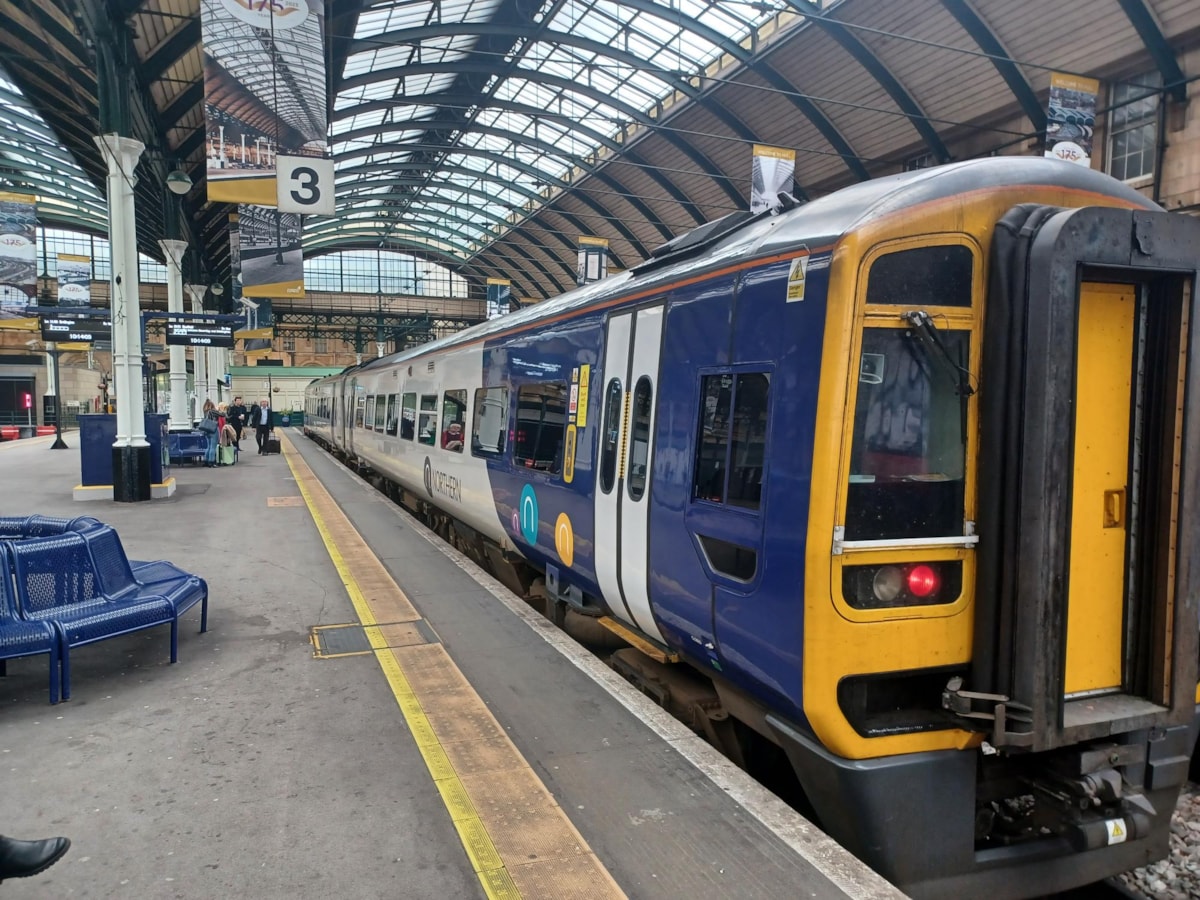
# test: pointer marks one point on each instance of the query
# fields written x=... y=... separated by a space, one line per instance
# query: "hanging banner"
x=264 y=92
x=235 y=256
x=499 y=297
x=1071 y=118
x=593 y=260
x=74 y=280
x=18 y=254
x=270 y=257
x=771 y=174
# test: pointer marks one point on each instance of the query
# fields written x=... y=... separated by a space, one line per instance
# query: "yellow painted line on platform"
x=518 y=839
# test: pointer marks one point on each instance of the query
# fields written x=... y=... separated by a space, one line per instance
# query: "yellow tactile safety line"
x=511 y=860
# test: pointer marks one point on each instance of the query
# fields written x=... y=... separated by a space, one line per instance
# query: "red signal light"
x=923 y=581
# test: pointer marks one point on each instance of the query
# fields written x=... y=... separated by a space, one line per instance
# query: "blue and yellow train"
x=908 y=474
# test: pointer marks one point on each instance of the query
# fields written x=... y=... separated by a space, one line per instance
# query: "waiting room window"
x=370 y=417
x=320 y=344
x=1133 y=127
x=289 y=342
x=541 y=426
x=732 y=438
x=408 y=416
x=393 y=409
x=491 y=421
x=454 y=419
x=427 y=422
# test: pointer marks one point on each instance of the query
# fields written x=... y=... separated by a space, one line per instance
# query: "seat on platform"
x=19 y=637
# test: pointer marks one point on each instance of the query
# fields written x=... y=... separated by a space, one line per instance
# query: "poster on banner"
x=1071 y=118
x=270 y=258
x=74 y=280
x=259 y=104
x=593 y=260
x=18 y=254
x=499 y=297
x=772 y=173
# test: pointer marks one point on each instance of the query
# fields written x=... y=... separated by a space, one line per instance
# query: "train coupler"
x=1008 y=722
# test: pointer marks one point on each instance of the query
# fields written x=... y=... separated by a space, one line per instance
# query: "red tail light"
x=923 y=581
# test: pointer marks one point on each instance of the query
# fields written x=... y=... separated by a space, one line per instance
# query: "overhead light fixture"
x=178 y=182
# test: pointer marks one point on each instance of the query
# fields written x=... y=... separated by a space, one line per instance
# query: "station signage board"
x=199 y=334
x=81 y=328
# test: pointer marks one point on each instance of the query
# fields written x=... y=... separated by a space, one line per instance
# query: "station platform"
x=368 y=715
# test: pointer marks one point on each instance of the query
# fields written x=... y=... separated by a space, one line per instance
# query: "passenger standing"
x=210 y=424
x=237 y=418
x=260 y=418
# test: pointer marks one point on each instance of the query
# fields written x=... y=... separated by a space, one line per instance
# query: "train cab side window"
x=369 y=419
x=923 y=276
x=491 y=421
x=639 y=438
x=380 y=412
x=732 y=440
x=408 y=416
x=541 y=426
x=611 y=436
x=359 y=407
x=427 y=422
x=454 y=419
x=391 y=414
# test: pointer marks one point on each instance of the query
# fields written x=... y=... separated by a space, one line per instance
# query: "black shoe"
x=20 y=859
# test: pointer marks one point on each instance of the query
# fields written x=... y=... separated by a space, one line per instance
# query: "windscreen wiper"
x=926 y=332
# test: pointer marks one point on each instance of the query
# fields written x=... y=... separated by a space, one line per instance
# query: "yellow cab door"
x=1097 y=586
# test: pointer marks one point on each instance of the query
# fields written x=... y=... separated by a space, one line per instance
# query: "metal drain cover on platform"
x=340 y=640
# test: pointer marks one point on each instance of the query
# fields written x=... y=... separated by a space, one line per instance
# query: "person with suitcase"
x=260 y=421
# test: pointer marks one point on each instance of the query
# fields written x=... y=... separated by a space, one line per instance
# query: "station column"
x=131 y=451
x=199 y=354
x=179 y=418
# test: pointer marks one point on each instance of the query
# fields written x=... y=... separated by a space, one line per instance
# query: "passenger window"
x=369 y=424
x=408 y=416
x=923 y=276
x=732 y=405
x=712 y=443
x=491 y=421
x=541 y=426
x=358 y=411
x=454 y=417
x=391 y=414
x=611 y=436
x=639 y=445
x=749 y=439
x=380 y=412
x=908 y=455
x=427 y=422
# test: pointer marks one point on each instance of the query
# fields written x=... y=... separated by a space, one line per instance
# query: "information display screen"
x=199 y=334
x=72 y=328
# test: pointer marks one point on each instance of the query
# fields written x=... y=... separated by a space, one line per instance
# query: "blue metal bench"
x=78 y=581
x=191 y=445
x=21 y=638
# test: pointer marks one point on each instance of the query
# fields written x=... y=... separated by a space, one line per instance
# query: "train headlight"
x=894 y=585
x=887 y=584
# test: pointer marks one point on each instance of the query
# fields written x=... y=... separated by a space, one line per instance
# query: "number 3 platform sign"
x=305 y=185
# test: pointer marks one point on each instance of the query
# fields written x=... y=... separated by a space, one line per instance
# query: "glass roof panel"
x=582 y=92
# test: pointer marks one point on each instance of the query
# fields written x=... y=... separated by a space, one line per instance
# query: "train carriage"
x=904 y=472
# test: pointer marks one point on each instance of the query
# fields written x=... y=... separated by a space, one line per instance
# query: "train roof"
x=817 y=224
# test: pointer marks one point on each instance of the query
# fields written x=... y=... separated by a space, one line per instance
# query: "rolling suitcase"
x=271 y=444
x=227 y=455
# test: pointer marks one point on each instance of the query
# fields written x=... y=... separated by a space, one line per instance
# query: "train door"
x=1096 y=579
x=633 y=344
x=1085 y=603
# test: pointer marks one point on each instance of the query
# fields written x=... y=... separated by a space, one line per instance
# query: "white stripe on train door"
x=634 y=504
x=616 y=366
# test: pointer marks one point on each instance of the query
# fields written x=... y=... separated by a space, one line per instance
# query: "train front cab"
x=1001 y=649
